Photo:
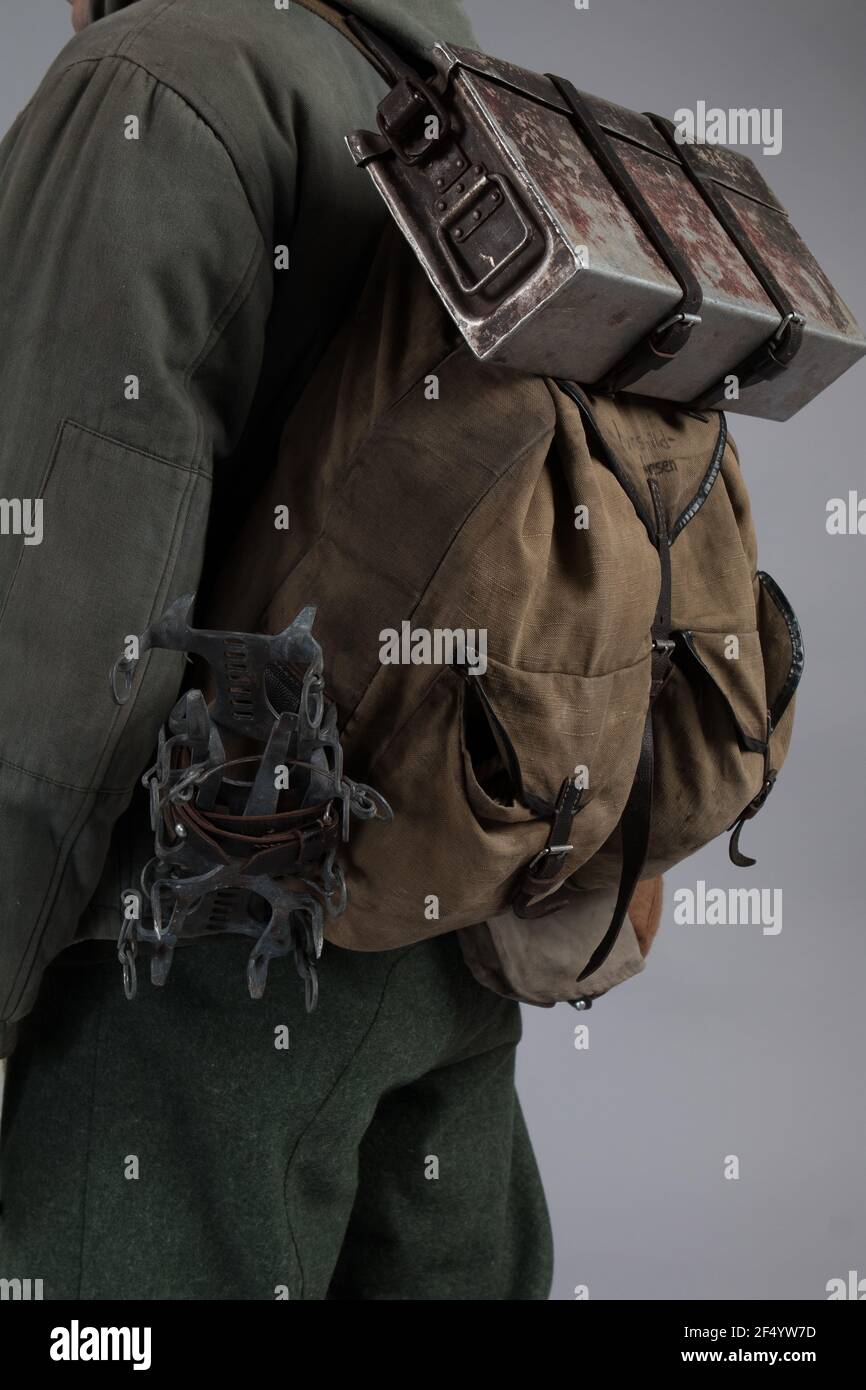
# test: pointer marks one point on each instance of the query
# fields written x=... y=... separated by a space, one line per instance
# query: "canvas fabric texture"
x=446 y=495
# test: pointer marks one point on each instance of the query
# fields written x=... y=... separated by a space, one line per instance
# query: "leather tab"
x=547 y=864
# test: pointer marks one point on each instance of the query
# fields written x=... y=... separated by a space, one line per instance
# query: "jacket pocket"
x=111 y=518
x=123 y=532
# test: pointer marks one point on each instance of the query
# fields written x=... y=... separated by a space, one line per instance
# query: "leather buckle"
x=768 y=785
x=680 y=320
x=560 y=851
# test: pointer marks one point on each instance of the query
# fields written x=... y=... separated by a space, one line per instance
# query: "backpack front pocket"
x=469 y=775
x=722 y=726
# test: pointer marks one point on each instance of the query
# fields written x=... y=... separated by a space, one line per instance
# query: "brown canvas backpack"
x=592 y=678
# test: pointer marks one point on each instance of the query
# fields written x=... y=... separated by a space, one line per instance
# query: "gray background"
x=731 y=1042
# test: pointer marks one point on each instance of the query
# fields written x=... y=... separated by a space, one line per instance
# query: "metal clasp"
x=126 y=952
x=506 y=196
x=124 y=667
x=794 y=318
x=419 y=94
x=549 y=850
x=675 y=319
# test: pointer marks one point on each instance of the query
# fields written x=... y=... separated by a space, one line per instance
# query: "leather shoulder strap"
x=380 y=55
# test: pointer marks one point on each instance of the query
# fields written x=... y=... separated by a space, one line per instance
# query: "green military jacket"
x=152 y=348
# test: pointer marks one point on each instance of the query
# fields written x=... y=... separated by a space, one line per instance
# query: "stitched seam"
x=352 y=464
x=88 y=1144
x=13 y=997
x=61 y=862
x=75 y=830
x=65 y=786
x=495 y=664
x=221 y=323
x=139 y=28
x=707 y=483
x=118 y=723
x=13 y=579
x=471 y=1031
x=242 y=290
x=59 y=441
x=206 y=120
x=130 y=448
x=456 y=530
x=798 y=651
x=609 y=459
x=337 y=1082
x=238 y=297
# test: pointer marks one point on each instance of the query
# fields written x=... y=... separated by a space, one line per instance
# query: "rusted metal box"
x=570 y=237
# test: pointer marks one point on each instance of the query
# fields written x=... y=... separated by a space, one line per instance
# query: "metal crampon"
x=246 y=844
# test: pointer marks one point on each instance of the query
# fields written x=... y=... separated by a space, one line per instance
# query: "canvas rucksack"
x=598 y=557
x=547 y=644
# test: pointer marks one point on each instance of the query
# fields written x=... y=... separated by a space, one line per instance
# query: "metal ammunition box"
x=552 y=226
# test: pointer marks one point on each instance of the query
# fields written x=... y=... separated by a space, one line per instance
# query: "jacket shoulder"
x=264 y=80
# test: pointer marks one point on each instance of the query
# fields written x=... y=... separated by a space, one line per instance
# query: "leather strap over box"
x=572 y=238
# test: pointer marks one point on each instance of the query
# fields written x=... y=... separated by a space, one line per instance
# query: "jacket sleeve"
x=136 y=285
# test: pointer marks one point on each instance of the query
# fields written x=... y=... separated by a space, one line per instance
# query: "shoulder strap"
x=411 y=96
x=387 y=62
